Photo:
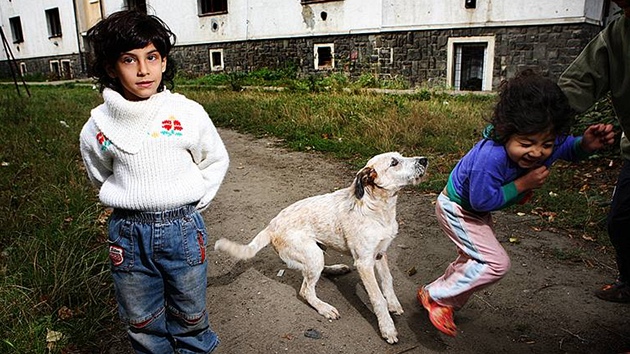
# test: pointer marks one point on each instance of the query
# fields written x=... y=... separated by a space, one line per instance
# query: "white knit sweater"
x=153 y=155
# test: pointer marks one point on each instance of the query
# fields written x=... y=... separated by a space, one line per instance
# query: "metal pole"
x=12 y=64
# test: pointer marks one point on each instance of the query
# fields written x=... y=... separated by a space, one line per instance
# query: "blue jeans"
x=159 y=269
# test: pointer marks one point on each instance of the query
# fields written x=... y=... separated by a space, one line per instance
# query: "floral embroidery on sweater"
x=171 y=127
x=103 y=141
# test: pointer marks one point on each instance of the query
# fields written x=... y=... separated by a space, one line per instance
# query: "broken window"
x=324 y=56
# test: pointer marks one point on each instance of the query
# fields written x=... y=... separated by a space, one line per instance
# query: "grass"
x=53 y=263
x=53 y=273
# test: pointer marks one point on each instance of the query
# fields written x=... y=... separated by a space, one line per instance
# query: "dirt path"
x=544 y=305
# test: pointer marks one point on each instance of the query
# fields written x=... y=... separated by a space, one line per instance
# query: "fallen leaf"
x=53 y=336
x=65 y=313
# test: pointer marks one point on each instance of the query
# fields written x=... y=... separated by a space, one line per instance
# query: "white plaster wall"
x=255 y=19
x=428 y=14
x=258 y=19
x=35 y=28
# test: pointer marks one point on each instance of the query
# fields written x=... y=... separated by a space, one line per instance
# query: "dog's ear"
x=364 y=178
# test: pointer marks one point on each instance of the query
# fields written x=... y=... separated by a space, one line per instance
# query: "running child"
x=528 y=132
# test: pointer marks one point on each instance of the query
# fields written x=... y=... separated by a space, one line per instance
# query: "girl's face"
x=139 y=72
x=529 y=151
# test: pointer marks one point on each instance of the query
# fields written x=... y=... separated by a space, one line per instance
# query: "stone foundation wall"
x=41 y=67
x=417 y=56
x=414 y=55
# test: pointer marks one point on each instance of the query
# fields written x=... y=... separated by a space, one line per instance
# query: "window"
x=16 y=29
x=216 y=59
x=212 y=6
x=66 y=70
x=324 y=56
x=54 y=24
x=314 y=1
x=470 y=62
x=55 y=69
x=138 y=5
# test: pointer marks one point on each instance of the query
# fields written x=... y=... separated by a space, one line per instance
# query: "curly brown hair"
x=121 y=32
x=530 y=104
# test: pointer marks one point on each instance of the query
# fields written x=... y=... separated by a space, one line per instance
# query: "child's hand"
x=533 y=179
x=597 y=136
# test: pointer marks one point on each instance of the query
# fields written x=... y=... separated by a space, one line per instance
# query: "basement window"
x=216 y=60
x=469 y=63
x=66 y=70
x=55 y=69
x=324 y=56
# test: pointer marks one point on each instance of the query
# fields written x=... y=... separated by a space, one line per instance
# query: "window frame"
x=53 y=20
x=138 y=5
x=65 y=68
x=16 y=29
x=316 y=48
x=488 y=60
x=306 y=2
x=55 y=64
x=209 y=5
x=213 y=66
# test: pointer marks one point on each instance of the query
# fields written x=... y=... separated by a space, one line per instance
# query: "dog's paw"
x=391 y=338
x=328 y=311
x=388 y=329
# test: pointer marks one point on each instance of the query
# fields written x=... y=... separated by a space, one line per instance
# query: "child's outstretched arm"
x=597 y=136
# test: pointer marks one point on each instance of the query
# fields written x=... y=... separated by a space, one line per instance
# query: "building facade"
x=461 y=44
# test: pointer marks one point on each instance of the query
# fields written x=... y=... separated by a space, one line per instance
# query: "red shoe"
x=441 y=316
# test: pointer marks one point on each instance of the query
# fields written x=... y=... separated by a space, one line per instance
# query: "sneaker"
x=615 y=292
x=440 y=316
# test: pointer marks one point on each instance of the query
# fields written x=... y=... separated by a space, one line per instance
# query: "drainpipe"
x=79 y=38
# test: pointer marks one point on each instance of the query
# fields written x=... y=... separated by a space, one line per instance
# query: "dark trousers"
x=619 y=222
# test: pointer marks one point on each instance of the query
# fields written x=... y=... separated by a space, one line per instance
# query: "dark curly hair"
x=121 y=32
x=530 y=104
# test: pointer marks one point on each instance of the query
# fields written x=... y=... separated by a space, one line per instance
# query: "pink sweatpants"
x=482 y=260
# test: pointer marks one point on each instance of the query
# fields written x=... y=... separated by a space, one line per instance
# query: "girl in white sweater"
x=157 y=160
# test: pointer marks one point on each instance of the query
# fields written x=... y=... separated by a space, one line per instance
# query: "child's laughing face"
x=530 y=150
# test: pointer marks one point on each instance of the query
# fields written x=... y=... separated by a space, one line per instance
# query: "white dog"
x=359 y=220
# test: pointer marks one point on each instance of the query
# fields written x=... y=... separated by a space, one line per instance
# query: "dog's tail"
x=240 y=251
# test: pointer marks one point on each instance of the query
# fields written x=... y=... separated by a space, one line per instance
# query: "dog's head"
x=389 y=172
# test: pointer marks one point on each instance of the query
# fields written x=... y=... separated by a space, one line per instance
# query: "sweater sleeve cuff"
x=580 y=153
x=509 y=192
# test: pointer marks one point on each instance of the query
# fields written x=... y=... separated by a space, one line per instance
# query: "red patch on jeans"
x=116 y=254
x=203 y=249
